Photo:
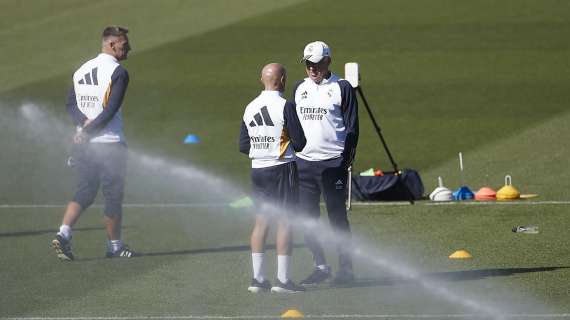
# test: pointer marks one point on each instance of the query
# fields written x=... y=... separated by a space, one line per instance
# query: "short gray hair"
x=114 y=31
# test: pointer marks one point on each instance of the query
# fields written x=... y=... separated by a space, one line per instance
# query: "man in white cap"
x=328 y=112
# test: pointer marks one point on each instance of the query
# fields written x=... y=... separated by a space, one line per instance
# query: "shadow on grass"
x=444 y=276
x=196 y=251
x=487 y=273
x=44 y=231
x=210 y=250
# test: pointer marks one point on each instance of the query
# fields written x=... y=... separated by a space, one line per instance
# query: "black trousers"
x=329 y=178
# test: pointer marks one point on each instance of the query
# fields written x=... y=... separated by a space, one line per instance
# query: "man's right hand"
x=79 y=138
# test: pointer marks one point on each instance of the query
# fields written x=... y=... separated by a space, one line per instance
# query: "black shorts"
x=277 y=186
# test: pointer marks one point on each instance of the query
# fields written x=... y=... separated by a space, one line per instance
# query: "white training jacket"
x=328 y=113
x=93 y=86
x=270 y=131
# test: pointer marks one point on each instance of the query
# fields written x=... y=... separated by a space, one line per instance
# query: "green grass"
x=485 y=78
x=48 y=38
x=198 y=264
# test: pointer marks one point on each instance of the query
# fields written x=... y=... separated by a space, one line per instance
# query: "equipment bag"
x=387 y=187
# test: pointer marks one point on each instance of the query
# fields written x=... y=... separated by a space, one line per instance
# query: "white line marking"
x=500 y=203
x=466 y=203
x=364 y=204
x=439 y=316
x=324 y=316
x=126 y=205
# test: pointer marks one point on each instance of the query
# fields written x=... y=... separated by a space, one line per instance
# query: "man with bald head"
x=270 y=135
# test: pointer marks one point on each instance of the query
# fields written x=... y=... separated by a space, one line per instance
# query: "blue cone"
x=191 y=139
x=463 y=193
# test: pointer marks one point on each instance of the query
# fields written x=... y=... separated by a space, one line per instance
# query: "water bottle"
x=526 y=229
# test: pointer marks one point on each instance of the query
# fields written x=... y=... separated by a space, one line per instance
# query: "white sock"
x=114 y=245
x=65 y=231
x=258 y=267
x=283 y=268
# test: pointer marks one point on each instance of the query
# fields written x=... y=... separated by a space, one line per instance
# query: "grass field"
x=487 y=78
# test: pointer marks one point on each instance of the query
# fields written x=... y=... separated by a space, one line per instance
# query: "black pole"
x=379 y=132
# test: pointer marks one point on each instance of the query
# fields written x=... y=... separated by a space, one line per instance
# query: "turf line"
x=324 y=316
x=373 y=204
x=126 y=205
x=466 y=203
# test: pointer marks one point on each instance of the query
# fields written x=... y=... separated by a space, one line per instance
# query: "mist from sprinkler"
x=39 y=124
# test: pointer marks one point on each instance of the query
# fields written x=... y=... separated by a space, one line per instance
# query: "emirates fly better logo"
x=308 y=113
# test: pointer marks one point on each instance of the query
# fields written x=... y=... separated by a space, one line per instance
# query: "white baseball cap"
x=316 y=51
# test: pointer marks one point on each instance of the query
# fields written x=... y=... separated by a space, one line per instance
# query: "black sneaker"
x=318 y=276
x=288 y=287
x=343 y=278
x=62 y=248
x=256 y=286
x=124 y=252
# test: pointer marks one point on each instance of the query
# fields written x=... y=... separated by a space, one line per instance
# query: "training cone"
x=508 y=192
x=191 y=139
x=485 y=194
x=461 y=254
x=292 y=313
x=441 y=193
x=463 y=193
x=368 y=173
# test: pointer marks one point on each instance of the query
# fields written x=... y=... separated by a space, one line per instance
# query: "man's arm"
x=349 y=109
x=297 y=84
x=244 y=143
x=294 y=128
x=76 y=115
x=119 y=83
